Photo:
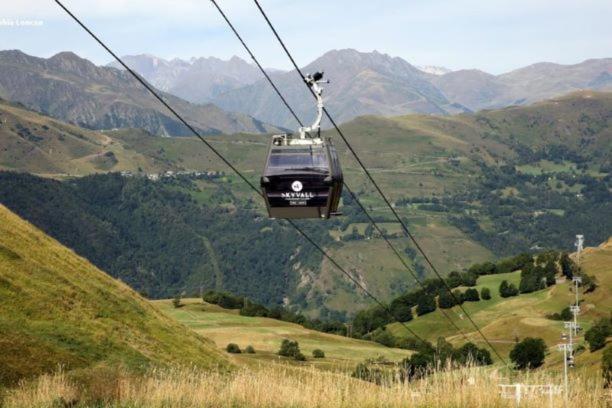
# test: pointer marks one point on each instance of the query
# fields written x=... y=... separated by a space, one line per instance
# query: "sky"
x=495 y=36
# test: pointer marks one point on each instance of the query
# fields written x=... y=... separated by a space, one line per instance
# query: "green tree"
x=471 y=295
x=529 y=353
x=596 y=336
x=290 y=348
x=383 y=337
x=485 y=293
x=469 y=353
x=446 y=300
x=402 y=312
x=426 y=304
x=249 y=349
x=454 y=279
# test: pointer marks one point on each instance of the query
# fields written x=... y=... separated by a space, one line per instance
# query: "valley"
x=183 y=225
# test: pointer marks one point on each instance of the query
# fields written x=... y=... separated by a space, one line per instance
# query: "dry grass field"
x=278 y=385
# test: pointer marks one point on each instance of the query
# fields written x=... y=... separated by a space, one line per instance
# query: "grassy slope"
x=502 y=320
x=58 y=309
x=265 y=335
x=39 y=144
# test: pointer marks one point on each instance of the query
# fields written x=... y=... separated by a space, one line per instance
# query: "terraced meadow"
x=225 y=326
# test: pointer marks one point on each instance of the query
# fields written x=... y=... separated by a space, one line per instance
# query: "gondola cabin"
x=302 y=178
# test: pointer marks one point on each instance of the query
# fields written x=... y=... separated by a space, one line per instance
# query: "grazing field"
x=225 y=326
x=504 y=321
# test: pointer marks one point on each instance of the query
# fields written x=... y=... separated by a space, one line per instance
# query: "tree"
x=507 y=289
x=565 y=315
x=469 y=353
x=402 y=312
x=290 y=348
x=529 y=353
x=369 y=319
x=426 y=304
x=318 y=353
x=249 y=349
x=446 y=300
x=176 y=302
x=485 y=293
x=568 y=267
x=233 y=348
x=383 y=337
x=454 y=279
x=471 y=295
x=469 y=279
x=596 y=336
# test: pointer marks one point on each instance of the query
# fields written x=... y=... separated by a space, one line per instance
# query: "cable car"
x=302 y=177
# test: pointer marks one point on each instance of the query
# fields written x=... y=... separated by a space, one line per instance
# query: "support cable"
x=284 y=100
x=384 y=197
x=233 y=168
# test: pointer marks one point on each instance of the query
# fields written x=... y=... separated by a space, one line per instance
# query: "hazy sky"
x=492 y=35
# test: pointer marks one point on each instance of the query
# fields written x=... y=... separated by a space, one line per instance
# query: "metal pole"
x=565 y=370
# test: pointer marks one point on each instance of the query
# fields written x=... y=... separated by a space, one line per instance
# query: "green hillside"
x=226 y=326
x=471 y=187
x=57 y=310
x=39 y=144
x=503 y=320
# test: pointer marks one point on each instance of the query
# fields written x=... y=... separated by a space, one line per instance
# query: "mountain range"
x=367 y=84
x=76 y=91
x=198 y=80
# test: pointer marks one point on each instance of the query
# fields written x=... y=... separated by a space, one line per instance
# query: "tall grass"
x=278 y=385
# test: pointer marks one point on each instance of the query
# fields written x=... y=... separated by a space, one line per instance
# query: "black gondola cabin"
x=302 y=178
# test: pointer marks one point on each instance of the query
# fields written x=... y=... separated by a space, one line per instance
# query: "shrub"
x=470 y=353
x=446 y=300
x=383 y=337
x=596 y=336
x=364 y=372
x=225 y=300
x=233 y=348
x=318 y=353
x=507 y=289
x=401 y=312
x=471 y=295
x=457 y=297
x=469 y=279
x=485 y=294
x=426 y=304
x=249 y=349
x=176 y=302
x=290 y=348
x=369 y=319
x=454 y=279
x=254 y=309
x=529 y=353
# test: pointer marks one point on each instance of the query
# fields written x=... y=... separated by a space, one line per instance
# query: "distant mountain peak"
x=434 y=69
